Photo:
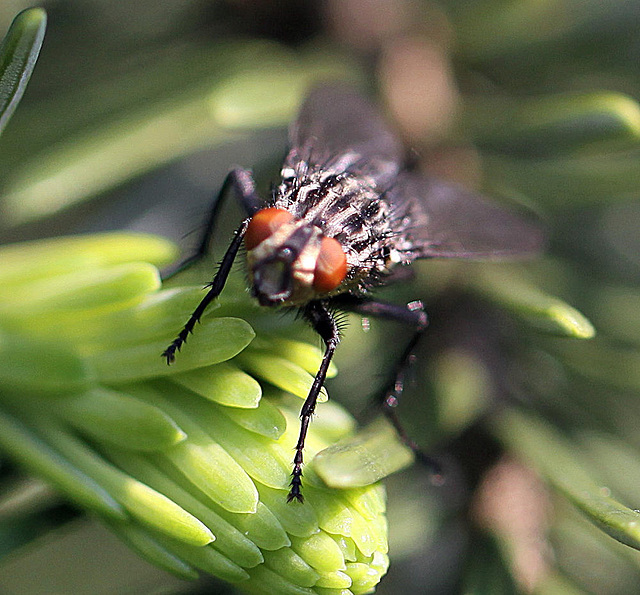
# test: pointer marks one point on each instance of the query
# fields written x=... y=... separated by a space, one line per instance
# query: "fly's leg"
x=324 y=324
x=215 y=288
x=244 y=188
x=241 y=181
x=412 y=314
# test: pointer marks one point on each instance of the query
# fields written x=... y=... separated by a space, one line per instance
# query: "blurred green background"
x=135 y=113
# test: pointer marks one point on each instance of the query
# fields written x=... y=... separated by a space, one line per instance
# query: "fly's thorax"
x=295 y=264
x=345 y=206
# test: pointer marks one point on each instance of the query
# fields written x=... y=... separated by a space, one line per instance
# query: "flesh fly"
x=344 y=217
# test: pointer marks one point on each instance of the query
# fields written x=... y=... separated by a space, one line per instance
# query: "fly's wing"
x=444 y=220
x=338 y=131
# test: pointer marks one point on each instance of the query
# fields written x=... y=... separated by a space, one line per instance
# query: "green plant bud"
x=320 y=551
x=258 y=456
x=113 y=417
x=29 y=449
x=369 y=501
x=347 y=547
x=43 y=368
x=207 y=559
x=96 y=329
x=229 y=540
x=261 y=526
x=292 y=567
x=363 y=459
x=334 y=516
x=217 y=340
x=139 y=500
x=363 y=577
x=188 y=463
x=29 y=261
x=280 y=372
x=140 y=540
x=298 y=521
x=265 y=581
x=335 y=580
x=308 y=357
x=224 y=384
x=86 y=289
x=335 y=422
x=266 y=420
x=203 y=461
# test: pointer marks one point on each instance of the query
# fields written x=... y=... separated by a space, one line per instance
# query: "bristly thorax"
x=350 y=209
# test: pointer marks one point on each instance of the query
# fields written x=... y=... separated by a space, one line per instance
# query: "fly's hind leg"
x=388 y=397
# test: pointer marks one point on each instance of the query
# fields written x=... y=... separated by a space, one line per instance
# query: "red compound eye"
x=331 y=266
x=264 y=223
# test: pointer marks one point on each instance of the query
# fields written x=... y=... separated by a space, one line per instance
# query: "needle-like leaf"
x=18 y=54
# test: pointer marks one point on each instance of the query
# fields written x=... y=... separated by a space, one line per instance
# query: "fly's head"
x=290 y=261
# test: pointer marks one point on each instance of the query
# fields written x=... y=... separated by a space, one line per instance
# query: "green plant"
x=511 y=386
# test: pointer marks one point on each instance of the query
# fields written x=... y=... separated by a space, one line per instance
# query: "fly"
x=344 y=217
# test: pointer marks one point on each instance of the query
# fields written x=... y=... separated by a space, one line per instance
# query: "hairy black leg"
x=412 y=314
x=215 y=288
x=241 y=181
x=324 y=324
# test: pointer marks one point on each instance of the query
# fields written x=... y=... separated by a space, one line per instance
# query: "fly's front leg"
x=241 y=181
x=215 y=288
x=412 y=314
x=325 y=325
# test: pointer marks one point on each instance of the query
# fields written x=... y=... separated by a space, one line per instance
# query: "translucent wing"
x=444 y=220
x=338 y=130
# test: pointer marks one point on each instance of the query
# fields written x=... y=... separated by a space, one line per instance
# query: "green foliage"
x=18 y=54
x=193 y=473
x=534 y=365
